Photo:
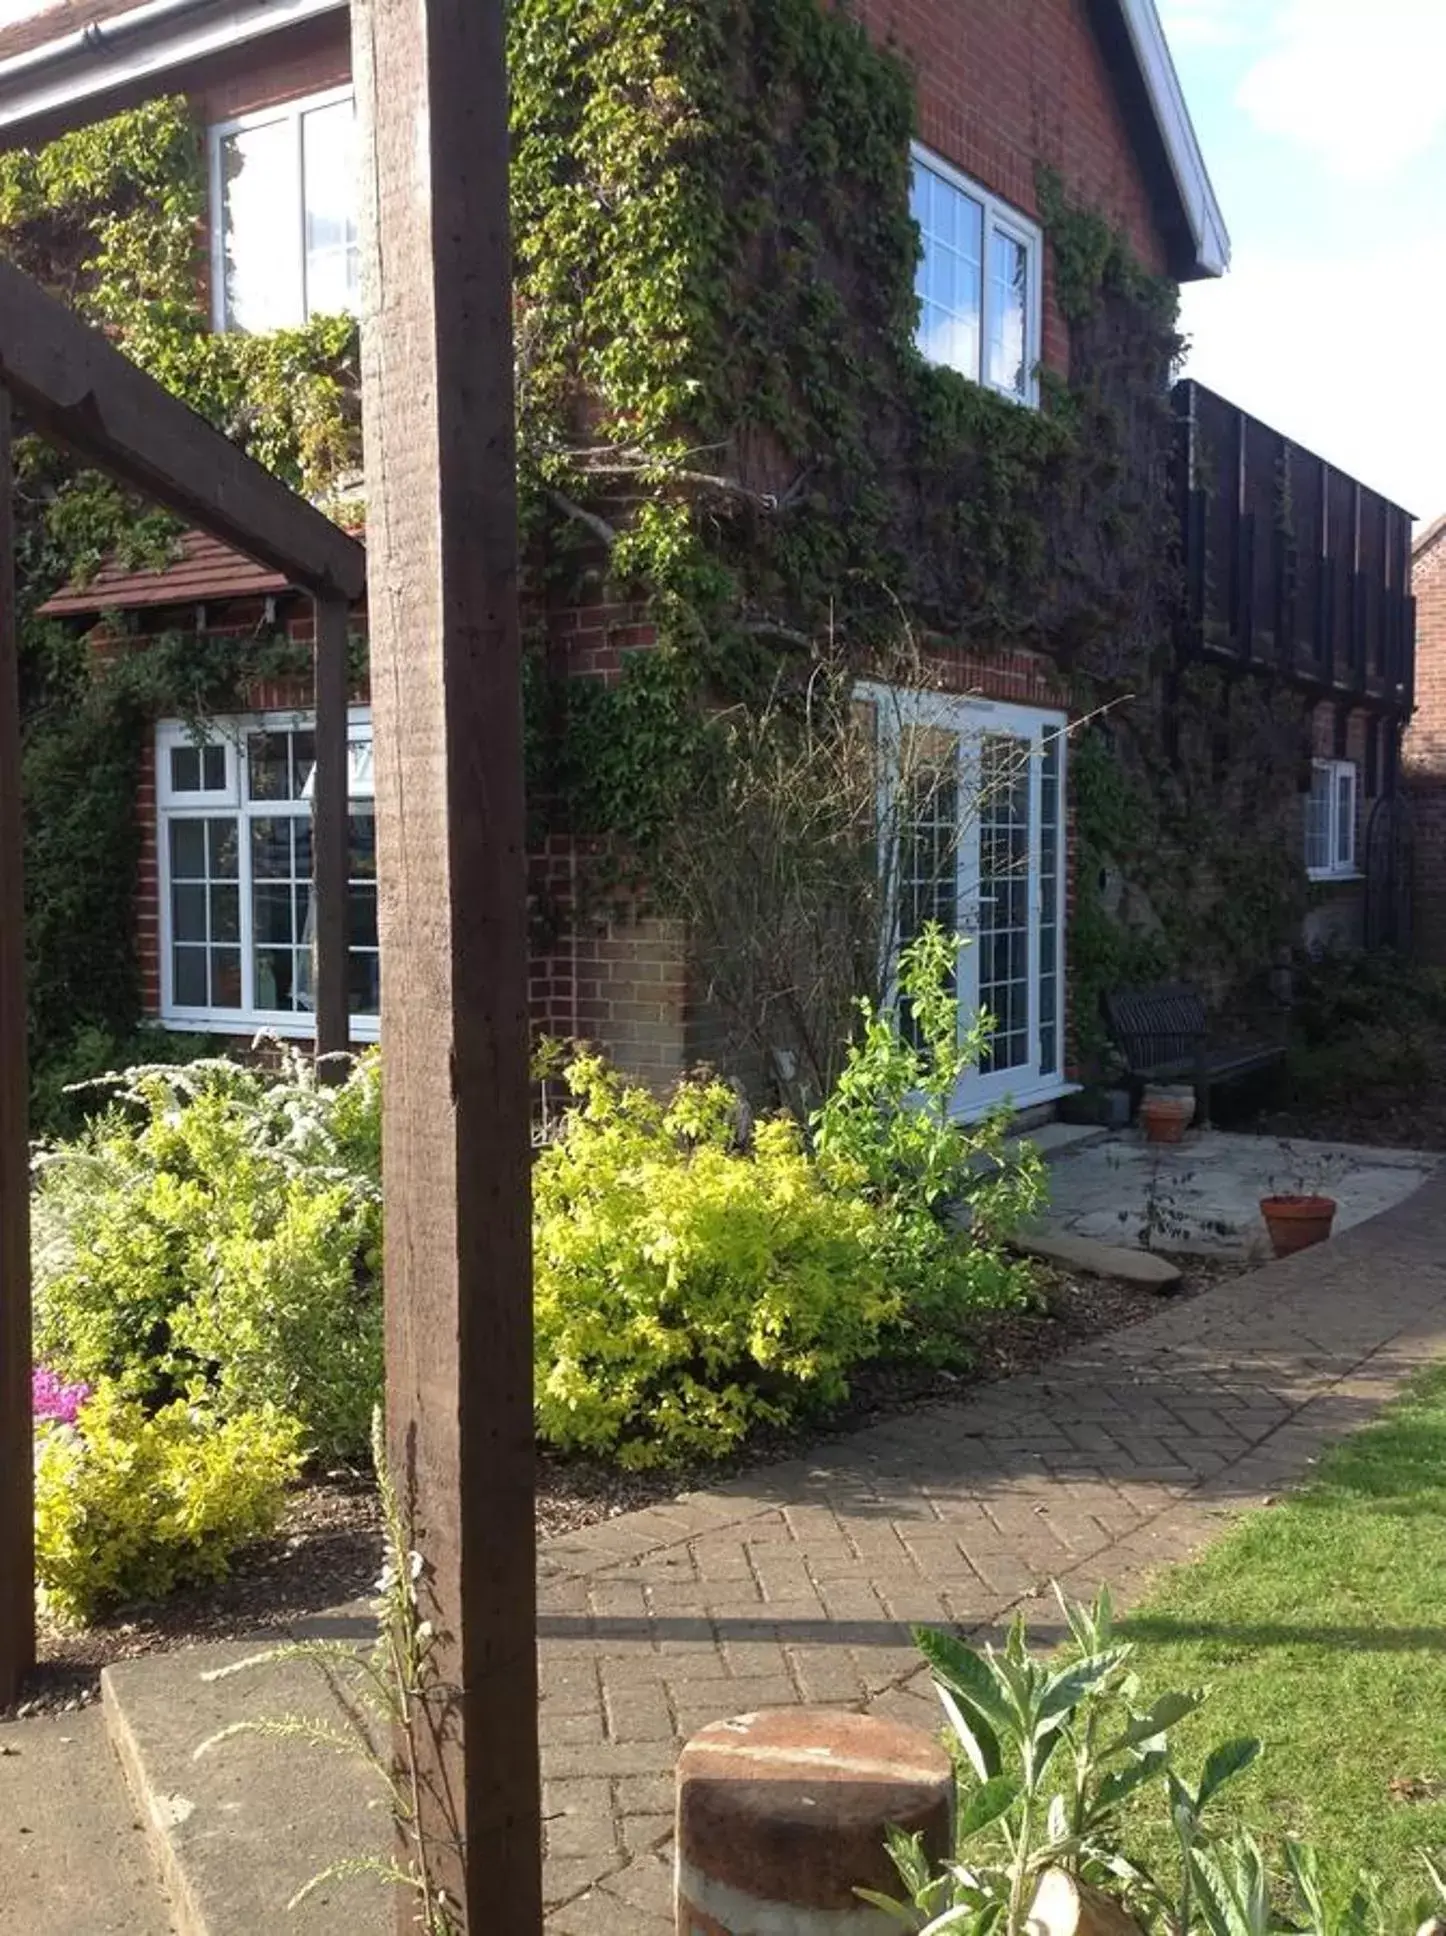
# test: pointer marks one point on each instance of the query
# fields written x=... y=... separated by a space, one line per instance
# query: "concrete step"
x=73 y=1855
x=238 y=1831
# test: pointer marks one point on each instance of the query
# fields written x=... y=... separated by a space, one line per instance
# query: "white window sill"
x=292 y=1028
x=1324 y=875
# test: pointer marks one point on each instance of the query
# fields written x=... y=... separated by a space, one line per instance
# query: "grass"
x=1320 y=1626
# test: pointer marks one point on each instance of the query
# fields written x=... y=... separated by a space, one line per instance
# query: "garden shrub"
x=688 y=1289
x=218 y=1230
x=886 y=1133
x=128 y=1506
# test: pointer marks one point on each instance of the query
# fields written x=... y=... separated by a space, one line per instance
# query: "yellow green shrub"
x=687 y=1289
x=129 y=1506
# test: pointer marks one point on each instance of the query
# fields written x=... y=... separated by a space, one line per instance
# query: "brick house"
x=1085 y=87
x=1425 y=748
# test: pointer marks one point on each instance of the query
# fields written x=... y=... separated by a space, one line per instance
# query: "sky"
x=1323 y=125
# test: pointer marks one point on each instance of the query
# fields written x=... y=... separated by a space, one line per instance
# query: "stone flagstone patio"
x=1202 y=1196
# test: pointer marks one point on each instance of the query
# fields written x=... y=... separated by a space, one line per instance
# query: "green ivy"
x=111 y=218
x=723 y=418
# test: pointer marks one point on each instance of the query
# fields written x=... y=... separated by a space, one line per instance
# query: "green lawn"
x=1320 y=1625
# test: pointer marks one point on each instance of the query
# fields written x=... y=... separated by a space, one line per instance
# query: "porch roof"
x=203 y=570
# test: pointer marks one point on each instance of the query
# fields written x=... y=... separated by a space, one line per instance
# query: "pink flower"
x=51 y=1399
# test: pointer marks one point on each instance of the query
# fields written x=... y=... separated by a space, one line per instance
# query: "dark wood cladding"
x=1290 y=565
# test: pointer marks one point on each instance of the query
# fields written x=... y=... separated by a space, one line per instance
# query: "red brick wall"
x=1004 y=84
x=1425 y=749
x=1424 y=755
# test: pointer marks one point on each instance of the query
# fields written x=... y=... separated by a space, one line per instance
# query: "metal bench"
x=1163 y=1035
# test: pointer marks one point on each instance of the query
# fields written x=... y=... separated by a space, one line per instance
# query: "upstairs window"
x=284 y=215
x=1330 y=821
x=978 y=281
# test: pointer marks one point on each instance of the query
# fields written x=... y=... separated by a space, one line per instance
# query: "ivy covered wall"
x=724 y=421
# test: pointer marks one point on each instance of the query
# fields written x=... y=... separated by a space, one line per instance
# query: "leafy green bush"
x=129 y=1506
x=218 y=1230
x=687 y=1289
x=886 y=1133
x=67 y=1086
x=1057 y=1758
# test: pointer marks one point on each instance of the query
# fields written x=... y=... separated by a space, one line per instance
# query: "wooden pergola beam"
x=78 y=390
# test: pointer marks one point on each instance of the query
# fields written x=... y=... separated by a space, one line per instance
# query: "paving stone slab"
x=1097 y=1259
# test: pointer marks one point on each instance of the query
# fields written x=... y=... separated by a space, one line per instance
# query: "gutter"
x=134 y=46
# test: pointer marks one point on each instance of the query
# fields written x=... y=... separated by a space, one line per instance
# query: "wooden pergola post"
x=17 y=1470
x=330 y=846
x=447 y=714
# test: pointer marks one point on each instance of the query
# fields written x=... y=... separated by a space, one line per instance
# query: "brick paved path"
x=799 y=1582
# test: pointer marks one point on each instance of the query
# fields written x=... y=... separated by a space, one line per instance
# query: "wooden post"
x=446 y=695
x=330 y=844
x=17 y=1470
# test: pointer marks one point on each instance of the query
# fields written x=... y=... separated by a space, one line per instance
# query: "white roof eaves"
x=132 y=47
x=1187 y=163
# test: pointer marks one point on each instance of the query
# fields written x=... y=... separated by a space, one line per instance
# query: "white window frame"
x=235 y=805
x=899 y=709
x=1009 y=221
x=285 y=111
x=1339 y=868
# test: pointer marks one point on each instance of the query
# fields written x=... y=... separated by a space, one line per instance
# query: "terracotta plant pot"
x=1166 y=1118
x=1295 y=1223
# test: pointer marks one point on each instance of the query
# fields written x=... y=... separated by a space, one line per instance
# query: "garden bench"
x=1163 y=1035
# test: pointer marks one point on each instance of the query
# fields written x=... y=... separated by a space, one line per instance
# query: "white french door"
x=972 y=807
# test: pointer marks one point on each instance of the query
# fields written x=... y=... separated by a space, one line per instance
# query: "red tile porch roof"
x=205 y=570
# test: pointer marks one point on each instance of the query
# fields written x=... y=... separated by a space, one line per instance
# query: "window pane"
x=303 y=759
x=1008 y=295
x=330 y=173
x=221 y=849
x=189 y=976
x=271 y=849
x=258 y=195
x=188 y=913
x=277 y=979
x=364 y=983
x=1318 y=820
x=268 y=758
x=185 y=769
x=271 y=908
x=213 y=769
x=1345 y=819
x=361 y=908
x=188 y=850
x=948 y=280
x=225 y=914
x=362 y=863
x=225 y=978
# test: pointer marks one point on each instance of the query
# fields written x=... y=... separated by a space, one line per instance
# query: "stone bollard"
x=782 y=1815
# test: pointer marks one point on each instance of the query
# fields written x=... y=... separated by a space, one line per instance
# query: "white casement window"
x=973 y=836
x=1330 y=821
x=979 y=281
x=234 y=850
x=284 y=214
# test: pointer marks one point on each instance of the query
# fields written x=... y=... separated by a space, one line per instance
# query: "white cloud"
x=1357 y=85
x=1331 y=352
x=1207 y=23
